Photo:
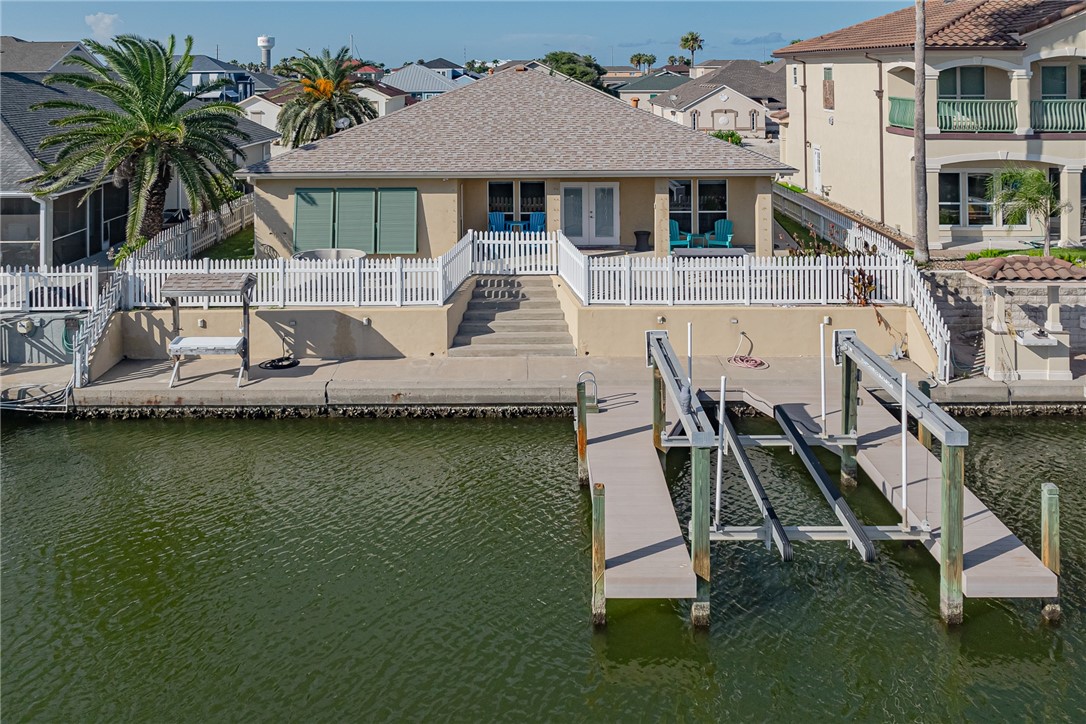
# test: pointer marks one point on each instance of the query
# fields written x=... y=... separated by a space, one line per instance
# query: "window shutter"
x=355 y=219
x=397 y=231
x=827 y=94
x=313 y=219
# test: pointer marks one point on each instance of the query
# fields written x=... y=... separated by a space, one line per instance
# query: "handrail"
x=976 y=116
x=1058 y=115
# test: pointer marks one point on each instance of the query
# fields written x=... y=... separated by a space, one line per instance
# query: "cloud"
x=102 y=25
x=769 y=39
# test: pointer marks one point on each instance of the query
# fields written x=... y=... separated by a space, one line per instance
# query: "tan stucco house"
x=520 y=141
x=1005 y=84
x=737 y=96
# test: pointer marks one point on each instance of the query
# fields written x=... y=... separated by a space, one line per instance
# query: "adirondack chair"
x=537 y=221
x=677 y=239
x=496 y=221
x=722 y=234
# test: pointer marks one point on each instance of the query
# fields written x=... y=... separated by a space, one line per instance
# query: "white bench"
x=181 y=347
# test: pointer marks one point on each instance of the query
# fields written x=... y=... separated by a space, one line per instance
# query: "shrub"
x=729 y=136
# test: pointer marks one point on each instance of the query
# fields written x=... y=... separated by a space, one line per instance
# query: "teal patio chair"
x=537 y=221
x=722 y=234
x=496 y=221
x=677 y=239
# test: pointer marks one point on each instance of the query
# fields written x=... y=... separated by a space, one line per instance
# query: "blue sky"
x=394 y=32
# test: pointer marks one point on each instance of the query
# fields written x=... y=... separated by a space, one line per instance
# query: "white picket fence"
x=26 y=289
x=831 y=224
x=201 y=232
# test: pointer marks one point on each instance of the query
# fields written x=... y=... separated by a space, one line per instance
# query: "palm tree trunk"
x=1046 y=229
x=151 y=223
x=920 y=151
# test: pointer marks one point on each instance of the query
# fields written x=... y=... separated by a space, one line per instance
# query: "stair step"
x=525 y=282
x=504 y=339
x=513 y=350
x=502 y=324
x=514 y=294
x=476 y=314
x=506 y=304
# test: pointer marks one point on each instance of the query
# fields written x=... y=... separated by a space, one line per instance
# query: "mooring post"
x=850 y=390
x=582 y=434
x=922 y=433
x=699 y=532
x=1050 y=542
x=659 y=407
x=950 y=539
x=599 y=558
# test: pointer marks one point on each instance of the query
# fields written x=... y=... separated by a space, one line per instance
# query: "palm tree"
x=637 y=60
x=326 y=97
x=672 y=60
x=152 y=131
x=649 y=60
x=1026 y=193
x=693 y=42
x=590 y=59
x=920 y=150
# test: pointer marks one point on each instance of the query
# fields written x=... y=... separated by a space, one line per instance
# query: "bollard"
x=1050 y=543
x=951 y=541
x=599 y=558
x=582 y=434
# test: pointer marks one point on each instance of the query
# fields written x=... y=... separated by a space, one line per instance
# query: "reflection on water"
x=406 y=569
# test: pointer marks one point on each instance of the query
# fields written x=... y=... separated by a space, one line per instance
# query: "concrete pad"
x=20 y=381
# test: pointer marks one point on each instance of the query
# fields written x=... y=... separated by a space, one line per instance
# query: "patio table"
x=516 y=225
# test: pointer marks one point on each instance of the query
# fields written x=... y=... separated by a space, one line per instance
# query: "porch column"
x=934 y=240
x=553 y=190
x=763 y=216
x=661 y=214
x=45 y=231
x=931 y=101
x=1020 y=95
x=1071 y=194
x=999 y=310
x=1052 y=321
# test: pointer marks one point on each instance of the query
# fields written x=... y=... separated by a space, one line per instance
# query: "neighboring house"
x=533 y=64
x=446 y=68
x=677 y=68
x=619 y=74
x=599 y=170
x=420 y=82
x=369 y=73
x=640 y=91
x=385 y=97
x=33 y=56
x=1005 y=84
x=206 y=69
x=739 y=95
x=58 y=229
x=264 y=82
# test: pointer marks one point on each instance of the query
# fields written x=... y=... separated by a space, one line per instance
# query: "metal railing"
x=977 y=116
x=1058 y=115
x=902 y=113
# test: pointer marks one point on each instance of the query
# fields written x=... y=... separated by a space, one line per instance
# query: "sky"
x=395 y=32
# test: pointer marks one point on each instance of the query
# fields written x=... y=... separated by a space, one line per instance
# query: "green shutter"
x=355 y=219
x=313 y=219
x=397 y=230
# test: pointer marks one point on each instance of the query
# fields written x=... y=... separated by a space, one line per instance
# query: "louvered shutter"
x=355 y=219
x=397 y=215
x=313 y=219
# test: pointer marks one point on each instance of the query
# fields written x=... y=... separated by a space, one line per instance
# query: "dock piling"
x=952 y=536
x=699 y=532
x=1050 y=542
x=582 y=433
x=850 y=390
x=922 y=433
x=599 y=557
x=659 y=407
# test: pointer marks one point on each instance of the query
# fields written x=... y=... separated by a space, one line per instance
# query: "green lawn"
x=794 y=228
x=237 y=246
x=1075 y=255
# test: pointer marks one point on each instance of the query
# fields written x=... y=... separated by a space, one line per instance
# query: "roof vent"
x=520 y=69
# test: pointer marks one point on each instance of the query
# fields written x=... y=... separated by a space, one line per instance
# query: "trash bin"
x=642 y=239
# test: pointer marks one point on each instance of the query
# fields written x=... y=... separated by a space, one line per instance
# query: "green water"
x=336 y=569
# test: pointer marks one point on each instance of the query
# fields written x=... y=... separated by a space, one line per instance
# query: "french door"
x=590 y=213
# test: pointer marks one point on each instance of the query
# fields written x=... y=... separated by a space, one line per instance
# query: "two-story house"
x=206 y=69
x=1005 y=84
x=738 y=96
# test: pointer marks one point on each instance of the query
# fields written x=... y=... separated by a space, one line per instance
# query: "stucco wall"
x=719 y=115
x=110 y=349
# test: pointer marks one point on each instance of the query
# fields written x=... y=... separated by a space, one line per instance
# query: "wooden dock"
x=996 y=564
x=645 y=551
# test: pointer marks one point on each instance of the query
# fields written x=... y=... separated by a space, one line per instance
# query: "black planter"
x=642 y=238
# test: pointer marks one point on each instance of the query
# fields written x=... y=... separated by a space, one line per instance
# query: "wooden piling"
x=850 y=398
x=582 y=433
x=599 y=557
x=1050 y=542
x=699 y=532
x=922 y=433
x=951 y=538
x=659 y=407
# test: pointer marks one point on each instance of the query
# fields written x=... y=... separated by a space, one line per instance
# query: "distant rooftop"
x=32 y=56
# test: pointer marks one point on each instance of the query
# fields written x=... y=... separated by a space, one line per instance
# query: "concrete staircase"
x=513 y=317
x=961 y=302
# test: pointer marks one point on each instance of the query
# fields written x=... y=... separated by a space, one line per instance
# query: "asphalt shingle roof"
x=28 y=127
x=748 y=77
x=653 y=83
x=963 y=24
x=441 y=64
x=526 y=123
x=207 y=64
x=419 y=79
x=18 y=55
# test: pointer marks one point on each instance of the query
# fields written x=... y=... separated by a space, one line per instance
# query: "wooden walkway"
x=646 y=553
x=996 y=563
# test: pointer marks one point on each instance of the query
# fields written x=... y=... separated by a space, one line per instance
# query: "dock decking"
x=646 y=554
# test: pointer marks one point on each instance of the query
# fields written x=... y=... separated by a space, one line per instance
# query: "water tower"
x=265 y=43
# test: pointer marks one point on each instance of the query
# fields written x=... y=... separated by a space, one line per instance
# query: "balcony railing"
x=959 y=116
x=1058 y=115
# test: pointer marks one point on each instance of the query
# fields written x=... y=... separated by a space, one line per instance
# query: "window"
x=979 y=205
x=1082 y=81
x=533 y=197
x=795 y=76
x=397 y=215
x=950 y=199
x=19 y=228
x=384 y=221
x=681 y=204
x=965 y=83
x=114 y=213
x=712 y=204
x=69 y=228
x=500 y=199
x=827 y=87
x=1053 y=82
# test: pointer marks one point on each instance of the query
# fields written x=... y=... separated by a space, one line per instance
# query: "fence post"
x=282 y=276
x=670 y=280
x=92 y=303
x=746 y=280
x=130 y=287
x=627 y=279
x=441 y=279
x=358 y=277
x=906 y=283
x=399 y=280
x=823 y=280
x=587 y=279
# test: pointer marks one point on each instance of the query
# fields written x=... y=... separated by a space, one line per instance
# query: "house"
x=1005 y=84
x=446 y=68
x=739 y=96
x=33 y=56
x=59 y=229
x=598 y=169
x=206 y=69
x=677 y=68
x=264 y=82
x=618 y=74
x=370 y=73
x=384 y=97
x=420 y=82
x=639 y=91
